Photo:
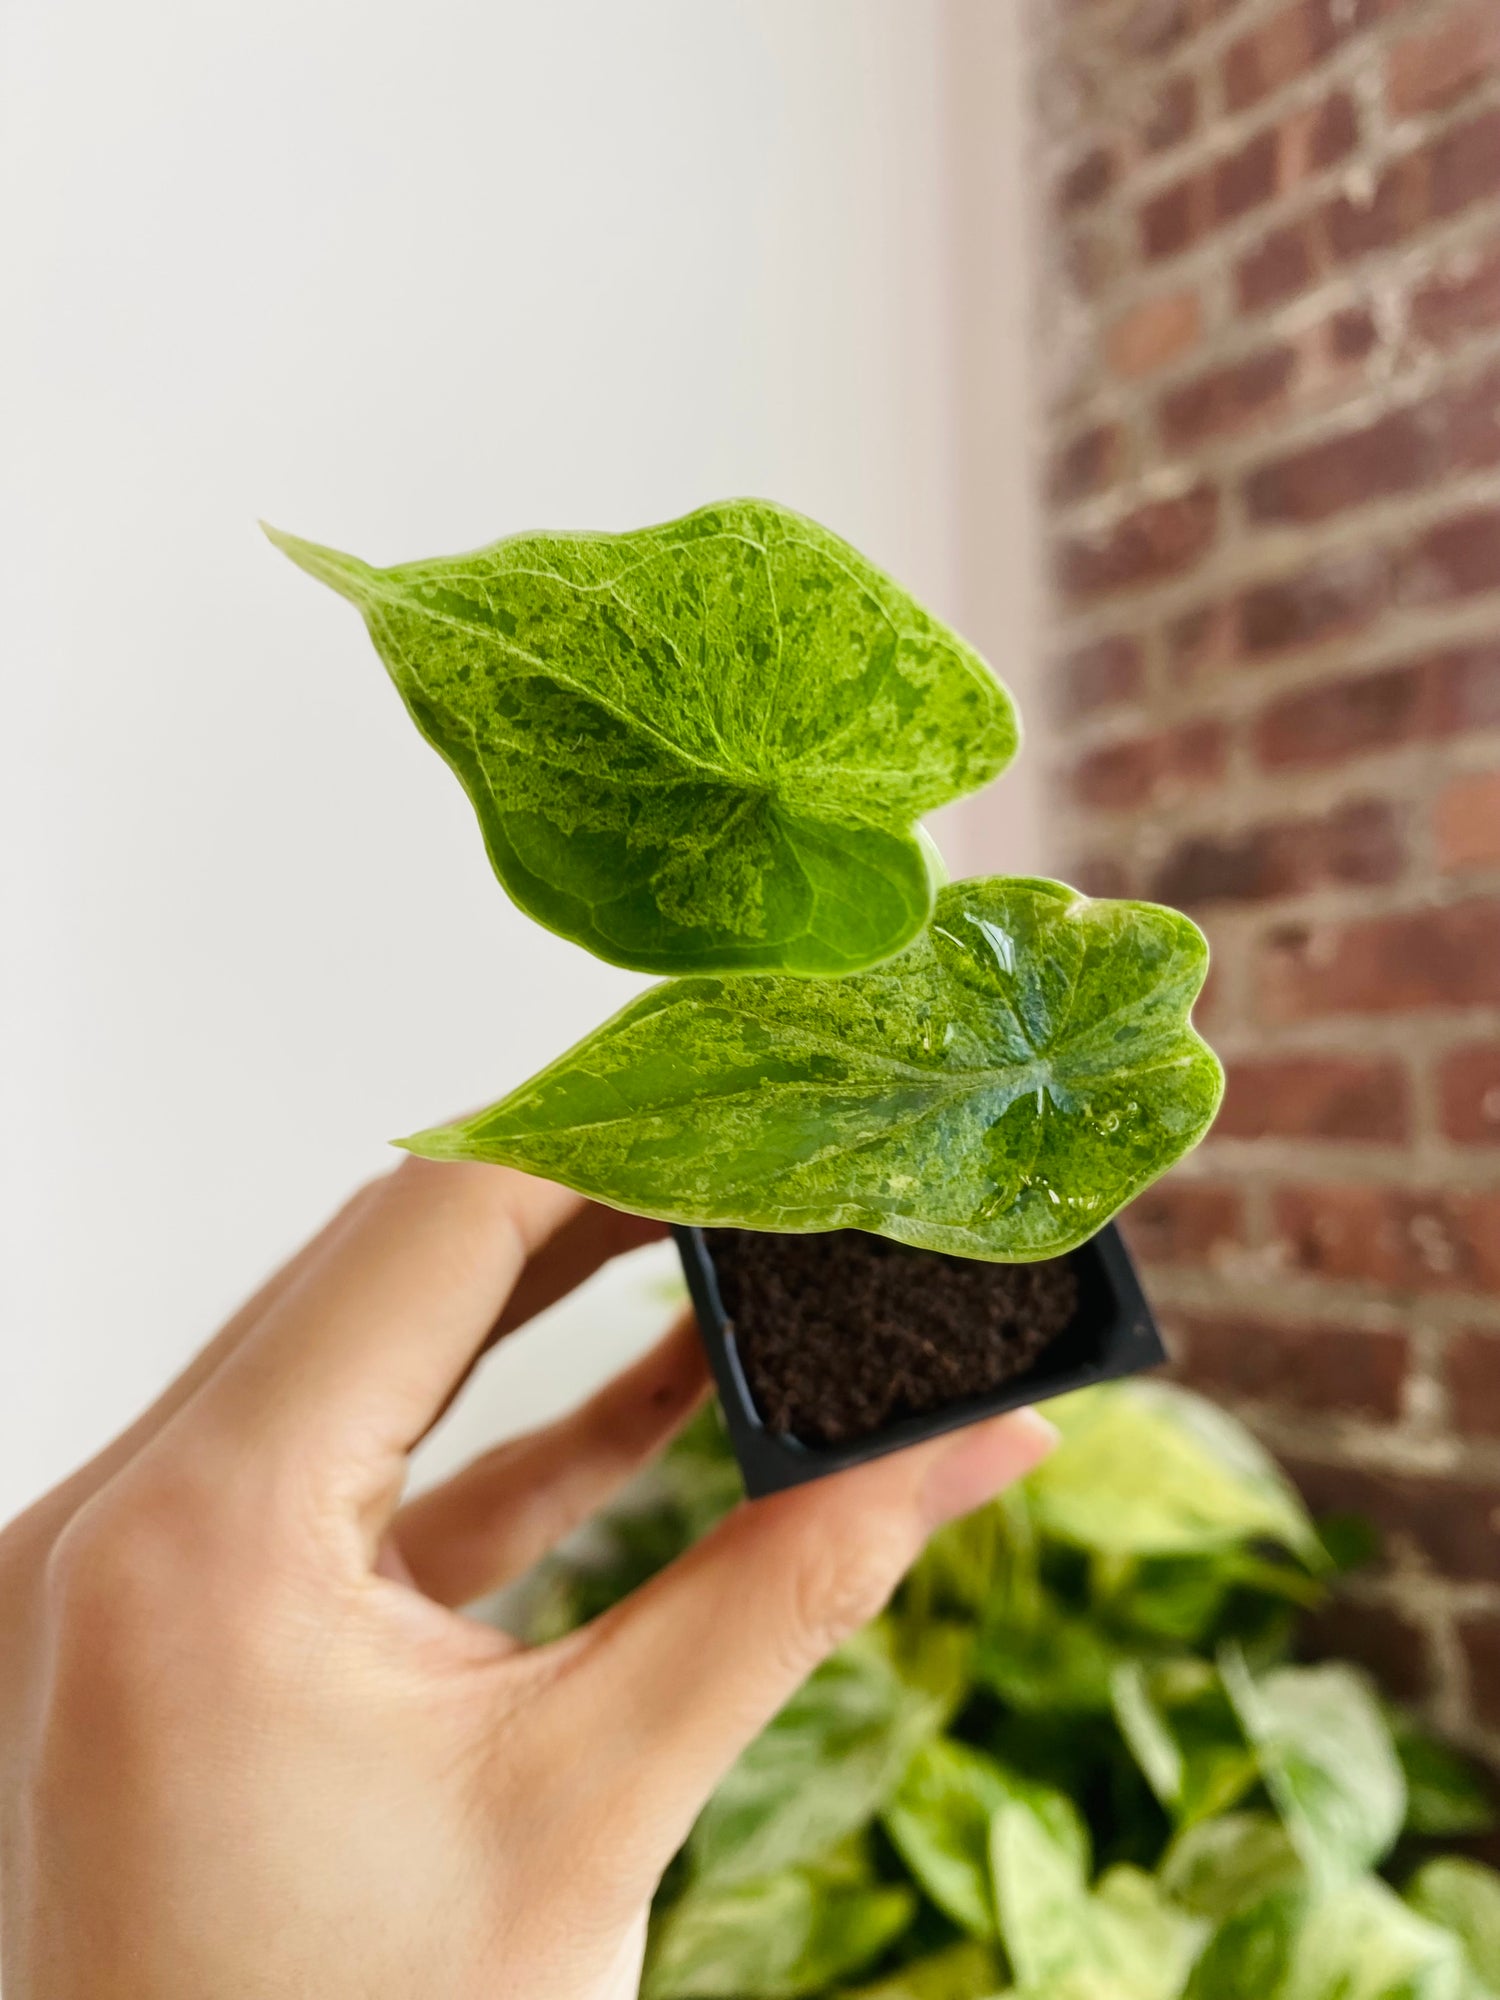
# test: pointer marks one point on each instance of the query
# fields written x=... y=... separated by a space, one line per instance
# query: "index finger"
x=355 y=1359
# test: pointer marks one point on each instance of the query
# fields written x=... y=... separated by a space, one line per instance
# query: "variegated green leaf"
x=1211 y=1484
x=832 y=1757
x=777 y=1938
x=696 y=747
x=1463 y=1897
x=1017 y=1075
x=1328 y=1761
x=940 y=1821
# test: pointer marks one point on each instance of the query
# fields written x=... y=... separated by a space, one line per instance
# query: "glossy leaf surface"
x=702 y=746
x=1017 y=1075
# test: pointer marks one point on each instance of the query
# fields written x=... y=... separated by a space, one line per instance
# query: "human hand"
x=248 y=1745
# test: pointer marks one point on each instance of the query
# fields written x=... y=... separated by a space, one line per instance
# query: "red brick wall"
x=1273 y=329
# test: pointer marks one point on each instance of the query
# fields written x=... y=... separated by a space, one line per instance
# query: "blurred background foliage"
x=1075 y=1758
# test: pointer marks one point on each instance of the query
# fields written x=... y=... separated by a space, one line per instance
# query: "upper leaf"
x=1017 y=1075
x=697 y=747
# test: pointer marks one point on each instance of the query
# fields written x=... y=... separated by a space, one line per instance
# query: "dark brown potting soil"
x=841 y=1333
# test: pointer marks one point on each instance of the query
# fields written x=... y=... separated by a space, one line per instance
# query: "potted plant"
x=1077 y=1758
x=889 y=1116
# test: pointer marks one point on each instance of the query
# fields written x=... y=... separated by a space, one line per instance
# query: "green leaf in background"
x=1153 y=1944
x=1040 y=1770
x=977 y=1562
x=1351 y=1541
x=1221 y=1867
x=1446 y=1797
x=1183 y=1733
x=1061 y=1662
x=1041 y=1895
x=963 y=1972
x=1177 y=1598
x=832 y=1757
x=1148 y=1733
x=1358 y=1943
x=954 y=1100
x=1210 y=1485
x=699 y=747
x=1250 y=1955
x=1463 y=1897
x=778 y=1938
x=1364 y=1944
x=1327 y=1759
x=1122 y=1941
x=1187 y=1600
x=939 y=1821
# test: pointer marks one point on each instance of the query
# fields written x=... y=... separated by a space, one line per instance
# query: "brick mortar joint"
x=1409 y=1167
x=1249 y=1291
x=1303 y=423
x=1141 y=280
x=1401 y=774
x=1225 y=135
x=1356 y=1444
x=1241 y=695
x=1398 y=364
x=1093 y=42
x=1407 y=634
x=1268 y=807
x=1357 y=65
x=1178 y=478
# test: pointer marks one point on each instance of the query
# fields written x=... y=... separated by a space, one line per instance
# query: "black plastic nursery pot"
x=1107 y=1331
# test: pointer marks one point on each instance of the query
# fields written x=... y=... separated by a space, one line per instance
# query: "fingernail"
x=985 y=1460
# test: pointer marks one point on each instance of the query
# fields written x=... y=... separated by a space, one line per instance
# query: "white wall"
x=403 y=278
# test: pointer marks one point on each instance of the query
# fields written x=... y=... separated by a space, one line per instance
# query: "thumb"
x=693 y=1666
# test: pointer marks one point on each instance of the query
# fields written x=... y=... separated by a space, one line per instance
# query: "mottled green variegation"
x=701 y=747
x=998 y=1091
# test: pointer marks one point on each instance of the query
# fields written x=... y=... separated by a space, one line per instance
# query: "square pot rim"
x=1128 y=1342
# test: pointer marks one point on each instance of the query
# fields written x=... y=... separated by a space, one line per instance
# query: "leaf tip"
x=439 y=1142
x=345 y=574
